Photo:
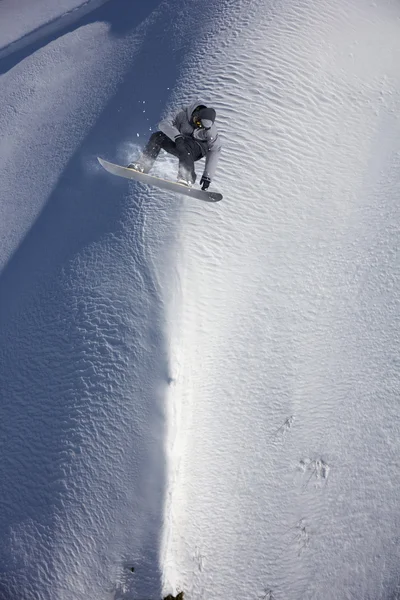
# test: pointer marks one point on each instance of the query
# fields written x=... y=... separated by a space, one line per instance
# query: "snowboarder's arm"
x=214 y=149
x=212 y=162
x=172 y=129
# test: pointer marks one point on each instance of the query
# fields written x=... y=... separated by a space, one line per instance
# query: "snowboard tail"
x=163 y=184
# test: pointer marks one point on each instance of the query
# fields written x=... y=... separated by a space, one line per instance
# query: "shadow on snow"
x=50 y=419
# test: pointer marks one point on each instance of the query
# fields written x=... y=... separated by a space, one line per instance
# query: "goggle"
x=198 y=123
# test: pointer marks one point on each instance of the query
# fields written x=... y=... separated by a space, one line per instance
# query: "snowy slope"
x=286 y=343
x=206 y=393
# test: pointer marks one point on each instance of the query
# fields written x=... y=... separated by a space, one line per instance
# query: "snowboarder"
x=190 y=136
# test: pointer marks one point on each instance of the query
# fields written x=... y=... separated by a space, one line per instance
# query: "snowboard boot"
x=185 y=176
x=183 y=181
x=136 y=167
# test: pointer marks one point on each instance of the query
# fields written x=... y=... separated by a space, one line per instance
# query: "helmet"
x=203 y=117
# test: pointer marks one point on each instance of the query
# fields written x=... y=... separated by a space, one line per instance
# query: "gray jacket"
x=207 y=139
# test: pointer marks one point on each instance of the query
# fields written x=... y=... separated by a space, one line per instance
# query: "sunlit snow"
x=194 y=397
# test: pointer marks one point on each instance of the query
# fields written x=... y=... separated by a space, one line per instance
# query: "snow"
x=206 y=393
x=32 y=22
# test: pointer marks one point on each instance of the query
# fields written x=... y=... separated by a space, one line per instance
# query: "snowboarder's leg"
x=157 y=141
x=186 y=172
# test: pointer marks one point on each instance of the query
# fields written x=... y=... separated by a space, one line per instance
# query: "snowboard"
x=163 y=184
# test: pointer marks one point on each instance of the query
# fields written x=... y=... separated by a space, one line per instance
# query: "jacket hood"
x=191 y=108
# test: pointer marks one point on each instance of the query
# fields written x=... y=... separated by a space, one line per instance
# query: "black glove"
x=180 y=144
x=205 y=182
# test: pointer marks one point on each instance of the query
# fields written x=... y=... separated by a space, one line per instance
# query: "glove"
x=205 y=182
x=180 y=143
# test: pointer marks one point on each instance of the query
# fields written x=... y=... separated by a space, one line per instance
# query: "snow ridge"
x=63 y=20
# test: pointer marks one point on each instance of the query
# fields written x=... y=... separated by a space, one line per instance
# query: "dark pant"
x=159 y=141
